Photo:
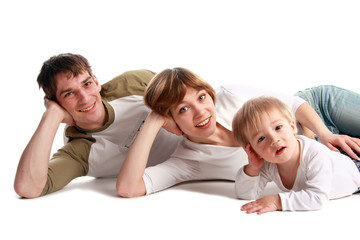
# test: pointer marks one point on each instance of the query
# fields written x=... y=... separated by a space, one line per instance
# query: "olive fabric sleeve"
x=129 y=83
x=69 y=162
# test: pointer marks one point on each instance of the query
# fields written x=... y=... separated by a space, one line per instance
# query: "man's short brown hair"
x=68 y=63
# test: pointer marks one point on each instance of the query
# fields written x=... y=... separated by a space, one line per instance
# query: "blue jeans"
x=357 y=163
x=337 y=107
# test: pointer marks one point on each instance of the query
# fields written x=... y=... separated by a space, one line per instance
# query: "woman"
x=183 y=103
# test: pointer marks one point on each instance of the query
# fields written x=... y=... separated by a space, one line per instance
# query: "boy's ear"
x=293 y=126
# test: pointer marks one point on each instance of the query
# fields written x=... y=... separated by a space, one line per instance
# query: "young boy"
x=307 y=172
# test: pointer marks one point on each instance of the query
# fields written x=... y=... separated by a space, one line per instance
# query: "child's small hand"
x=255 y=161
x=263 y=205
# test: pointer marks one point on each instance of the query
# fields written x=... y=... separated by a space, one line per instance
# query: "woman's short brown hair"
x=168 y=88
x=68 y=63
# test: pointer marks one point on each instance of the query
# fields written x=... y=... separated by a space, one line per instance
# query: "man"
x=102 y=122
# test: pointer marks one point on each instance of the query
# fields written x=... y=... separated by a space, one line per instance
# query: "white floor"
x=279 y=45
x=89 y=209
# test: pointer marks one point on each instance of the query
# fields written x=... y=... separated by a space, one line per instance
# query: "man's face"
x=80 y=97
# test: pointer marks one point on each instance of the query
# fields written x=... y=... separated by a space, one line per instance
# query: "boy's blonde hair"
x=249 y=116
x=168 y=88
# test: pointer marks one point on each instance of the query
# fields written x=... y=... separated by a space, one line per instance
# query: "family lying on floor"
x=153 y=131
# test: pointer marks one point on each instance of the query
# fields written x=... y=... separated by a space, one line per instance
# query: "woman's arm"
x=308 y=133
x=130 y=181
x=308 y=118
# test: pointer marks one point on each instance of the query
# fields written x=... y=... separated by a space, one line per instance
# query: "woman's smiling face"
x=195 y=115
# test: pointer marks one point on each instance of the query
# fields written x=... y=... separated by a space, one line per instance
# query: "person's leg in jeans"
x=339 y=108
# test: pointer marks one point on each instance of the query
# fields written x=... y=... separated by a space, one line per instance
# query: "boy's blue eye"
x=261 y=139
x=202 y=97
x=278 y=127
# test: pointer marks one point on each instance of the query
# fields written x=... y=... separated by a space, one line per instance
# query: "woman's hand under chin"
x=171 y=126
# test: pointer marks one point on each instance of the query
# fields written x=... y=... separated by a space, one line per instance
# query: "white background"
x=278 y=45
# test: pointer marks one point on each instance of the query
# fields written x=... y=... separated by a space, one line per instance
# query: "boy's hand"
x=255 y=161
x=263 y=205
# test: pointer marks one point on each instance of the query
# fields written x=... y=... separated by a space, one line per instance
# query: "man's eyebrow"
x=70 y=89
x=87 y=79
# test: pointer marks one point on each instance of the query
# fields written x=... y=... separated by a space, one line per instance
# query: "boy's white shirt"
x=322 y=175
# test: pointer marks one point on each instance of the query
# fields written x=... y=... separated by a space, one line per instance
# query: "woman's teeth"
x=203 y=123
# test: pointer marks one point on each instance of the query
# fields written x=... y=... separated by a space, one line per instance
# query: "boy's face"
x=80 y=97
x=275 y=139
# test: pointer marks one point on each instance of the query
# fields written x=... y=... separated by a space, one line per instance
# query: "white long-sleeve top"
x=322 y=175
x=194 y=161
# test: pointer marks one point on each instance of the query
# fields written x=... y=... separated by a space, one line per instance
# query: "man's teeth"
x=203 y=123
x=87 y=109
